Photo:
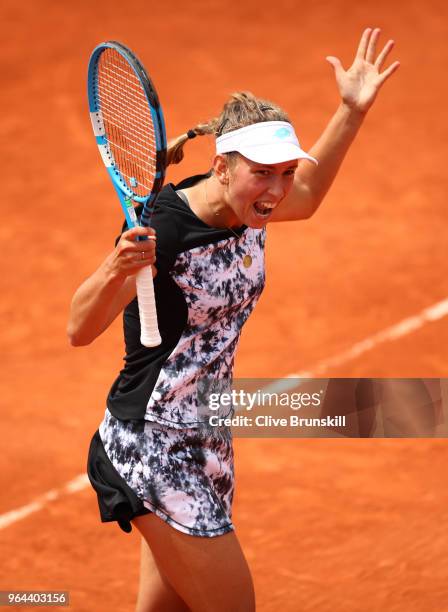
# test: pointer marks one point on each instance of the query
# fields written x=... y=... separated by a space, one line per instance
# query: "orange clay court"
x=337 y=524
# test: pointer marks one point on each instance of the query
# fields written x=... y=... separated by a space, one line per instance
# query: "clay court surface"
x=337 y=524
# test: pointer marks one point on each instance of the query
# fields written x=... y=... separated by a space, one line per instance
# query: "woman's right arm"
x=99 y=300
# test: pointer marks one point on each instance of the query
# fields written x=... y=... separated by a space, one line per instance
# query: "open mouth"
x=263 y=209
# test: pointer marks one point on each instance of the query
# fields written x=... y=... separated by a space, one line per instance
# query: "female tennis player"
x=150 y=462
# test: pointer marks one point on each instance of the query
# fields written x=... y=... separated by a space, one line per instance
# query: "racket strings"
x=115 y=111
x=116 y=80
x=113 y=91
x=127 y=122
x=128 y=140
x=140 y=136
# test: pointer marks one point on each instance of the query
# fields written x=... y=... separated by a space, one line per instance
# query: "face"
x=253 y=191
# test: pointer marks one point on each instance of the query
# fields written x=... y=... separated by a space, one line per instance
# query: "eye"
x=263 y=172
x=290 y=172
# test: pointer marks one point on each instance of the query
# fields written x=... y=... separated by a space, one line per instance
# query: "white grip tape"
x=150 y=335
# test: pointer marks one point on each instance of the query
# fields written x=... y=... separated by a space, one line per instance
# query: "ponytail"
x=242 y=109
x=175 y=152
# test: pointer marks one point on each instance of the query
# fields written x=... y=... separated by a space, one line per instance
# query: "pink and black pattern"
x=185 y=476
x=220 y=293
x=152 y=451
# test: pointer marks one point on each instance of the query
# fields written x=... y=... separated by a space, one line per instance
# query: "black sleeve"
x=165 y=223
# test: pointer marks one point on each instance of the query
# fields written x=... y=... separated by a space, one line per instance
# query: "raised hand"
x=360 y=84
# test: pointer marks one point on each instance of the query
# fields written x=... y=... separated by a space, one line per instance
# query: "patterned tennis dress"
x=152 y=452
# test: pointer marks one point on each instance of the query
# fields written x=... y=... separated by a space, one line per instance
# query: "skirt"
x=184 y=476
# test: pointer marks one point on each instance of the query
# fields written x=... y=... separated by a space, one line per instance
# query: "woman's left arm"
x=358 y=87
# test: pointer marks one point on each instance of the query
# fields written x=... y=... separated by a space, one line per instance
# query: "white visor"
x=268 y=142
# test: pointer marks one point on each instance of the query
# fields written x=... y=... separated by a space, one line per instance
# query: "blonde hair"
x=241 y=110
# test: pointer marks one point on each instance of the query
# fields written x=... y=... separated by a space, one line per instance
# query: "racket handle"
x=150 y=335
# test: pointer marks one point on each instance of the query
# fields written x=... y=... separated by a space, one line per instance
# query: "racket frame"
x=125 y=194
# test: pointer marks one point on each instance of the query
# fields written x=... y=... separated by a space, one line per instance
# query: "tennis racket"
x=128 y=124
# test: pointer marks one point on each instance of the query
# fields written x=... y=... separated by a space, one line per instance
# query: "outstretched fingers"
x=388 y=72
x=384 y=53
x=371 y=47
x=336 y=63
x=367 y=50
x=363 y=44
